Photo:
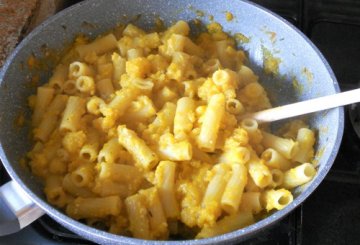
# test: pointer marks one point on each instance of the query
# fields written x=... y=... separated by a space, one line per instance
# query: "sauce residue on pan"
x=241 y=38
x=229 y=16
x=214 y=27
x=270 y=62
x=308 y=74
x=19 y=120
x=32 y=62
x=159 y=24
x=272 y=36
x=318 y=155
x=323 y=130
x=200 y=13
x=88 y=25
x=299 y=88
x=34 y=81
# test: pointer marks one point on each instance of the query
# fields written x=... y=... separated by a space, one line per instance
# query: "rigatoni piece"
x=306 y=139
x=75 y=108
x=157 y=218
x=234 y=189
x=54 y=191
x=165 y=95
x=274 y=159
x=133 y=31
x=150 y=40
x=211 y=123
x=232 y=155
x=180 y=27
x=286 y=147
x=57 y=166
x=105 y=88
x=99 y=46
x=181 y=67
x=43 y=98
x=134 y=53
x=277 y=177
x=69 y=87
x=108 y=187
x=165 y=183
x=50 y=118
x=57 y=80
x=142 y=154
x=164 y=120
x=200 y=155
x=227 y=224
x=250 y=125
x=210 y=66
x=140 y=110
x=138 y=67
x=96 y=207
x=145 y=85
x=277 y=199
x=89 y=151
x=252 y=128
x=77 y=69
x=180 y=43
x=174 y=150
x=253 y=90
x=110 y=151
x=220 y=47
x=84 y=175
x=246 y=76
x=94 y=104
x=73 y=141
x=138 y=216
x=258 y=171
x=211 y=203
x=75 y=190
x=251 y=202
x=119 y=68
x=104 y=71
x=120 y=173
x=234 y=106
x=299 y=175
x=184 y=117
x=119 y=103
x=85 y=84
x=227 y=81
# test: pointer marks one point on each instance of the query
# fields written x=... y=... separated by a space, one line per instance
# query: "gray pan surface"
x=300 y=59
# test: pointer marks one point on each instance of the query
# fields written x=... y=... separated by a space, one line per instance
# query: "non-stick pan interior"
x=302 y=74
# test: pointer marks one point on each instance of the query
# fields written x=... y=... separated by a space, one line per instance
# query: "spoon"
x=305 y=107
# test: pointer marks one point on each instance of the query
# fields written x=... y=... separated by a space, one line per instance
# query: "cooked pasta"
x=141 y=133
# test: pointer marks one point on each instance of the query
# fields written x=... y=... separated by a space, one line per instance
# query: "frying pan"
x=301 y=64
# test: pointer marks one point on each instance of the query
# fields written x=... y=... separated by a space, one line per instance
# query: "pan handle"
x=17 y=210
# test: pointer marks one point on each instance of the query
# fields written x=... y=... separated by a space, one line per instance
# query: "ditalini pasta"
x=141 y=132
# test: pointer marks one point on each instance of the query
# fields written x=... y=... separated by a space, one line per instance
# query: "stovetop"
x=331 y=215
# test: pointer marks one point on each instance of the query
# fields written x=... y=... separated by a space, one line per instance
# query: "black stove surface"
x=331 y=215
